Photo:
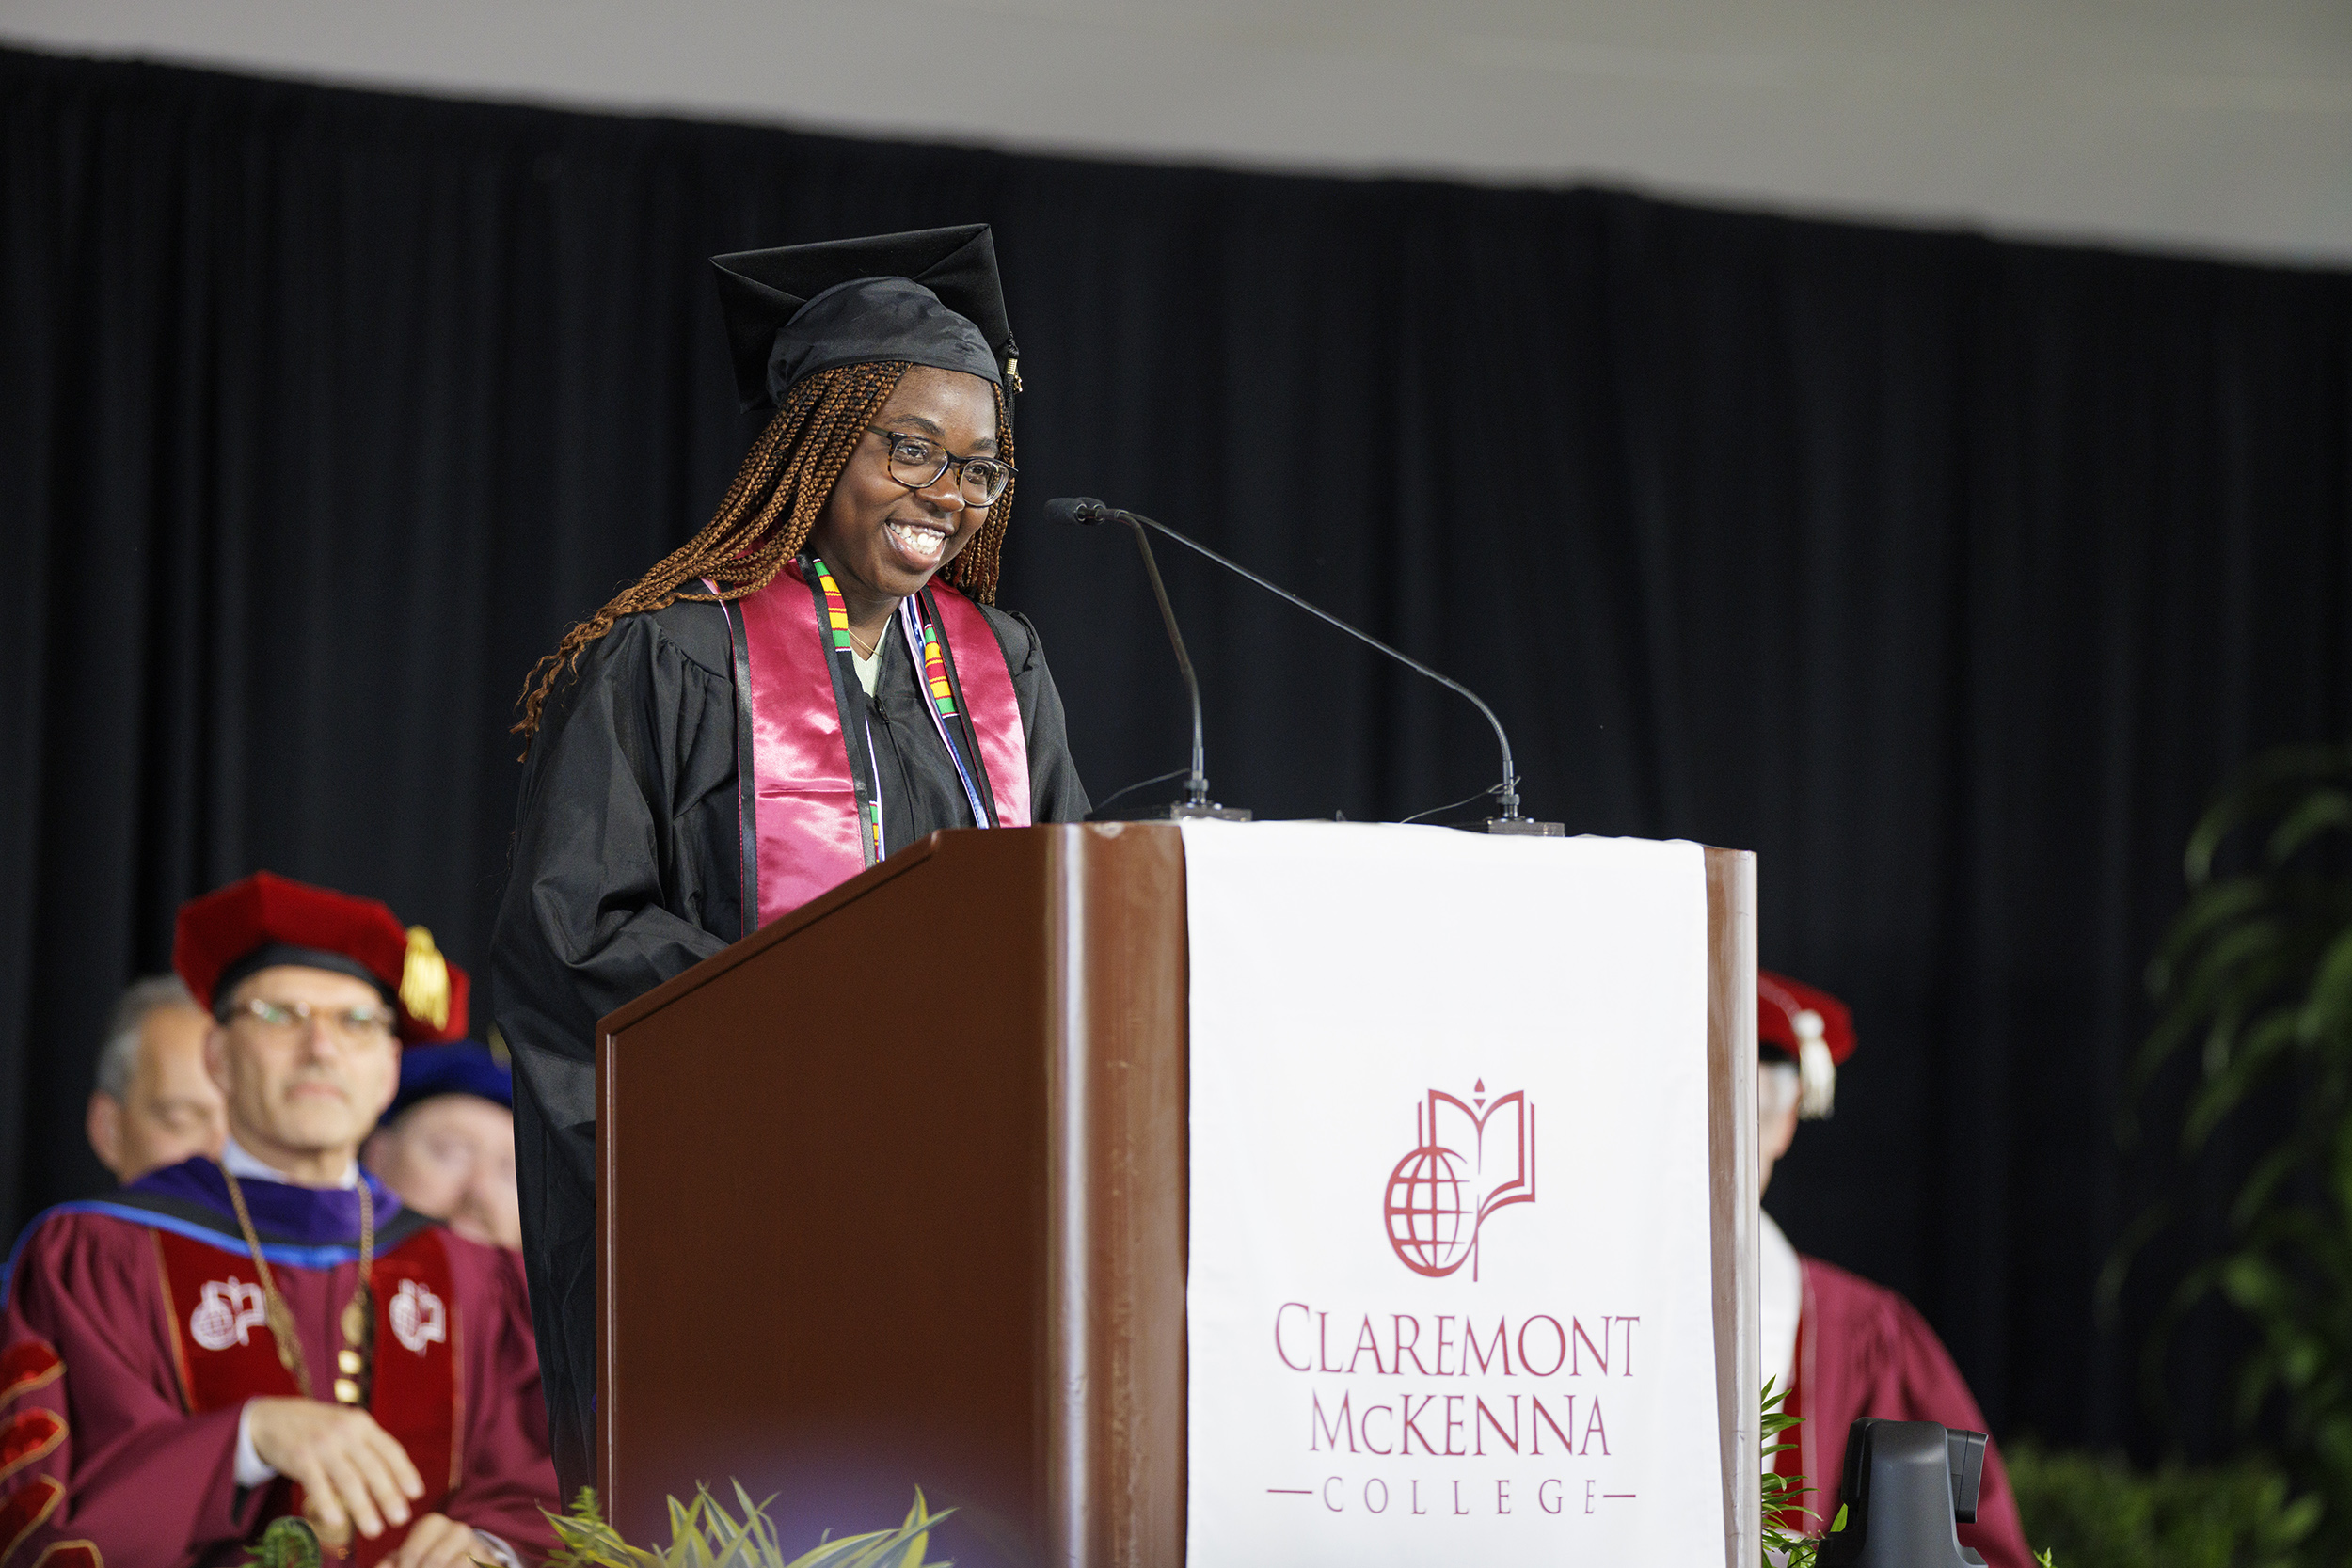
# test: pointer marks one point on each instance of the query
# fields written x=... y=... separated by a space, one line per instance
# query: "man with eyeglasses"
x=224 y=1342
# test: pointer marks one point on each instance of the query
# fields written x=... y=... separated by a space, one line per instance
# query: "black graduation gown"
x=627 y=871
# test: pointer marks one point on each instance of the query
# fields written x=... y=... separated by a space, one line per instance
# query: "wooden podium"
x=893 y=1194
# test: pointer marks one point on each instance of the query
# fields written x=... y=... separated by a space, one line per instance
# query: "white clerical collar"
x=1782 y=1299
x=236 y=1162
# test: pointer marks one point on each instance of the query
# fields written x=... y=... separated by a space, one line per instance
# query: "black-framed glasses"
x=917 y=461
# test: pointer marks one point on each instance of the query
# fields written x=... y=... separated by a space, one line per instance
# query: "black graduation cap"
x=930 y=298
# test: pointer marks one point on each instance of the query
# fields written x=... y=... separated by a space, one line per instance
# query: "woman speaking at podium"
x=815 y=679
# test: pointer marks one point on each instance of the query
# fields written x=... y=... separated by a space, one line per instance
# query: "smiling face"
x=303 y=1094
x=883 y=541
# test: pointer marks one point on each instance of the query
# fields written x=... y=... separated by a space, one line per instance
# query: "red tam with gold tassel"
x=268 y=920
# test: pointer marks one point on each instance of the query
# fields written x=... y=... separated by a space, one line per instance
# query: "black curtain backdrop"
x=1951 y=575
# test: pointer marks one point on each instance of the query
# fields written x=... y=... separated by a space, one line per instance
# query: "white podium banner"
x=1449 y=1298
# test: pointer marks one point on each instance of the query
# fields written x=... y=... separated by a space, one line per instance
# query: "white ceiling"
x=2219 y=127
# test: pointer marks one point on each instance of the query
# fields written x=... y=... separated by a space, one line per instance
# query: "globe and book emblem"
x=419 y=1315
x=1468 y=1159
x=226 y=1310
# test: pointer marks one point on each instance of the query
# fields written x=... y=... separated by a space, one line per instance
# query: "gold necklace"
x=875 y=651
x=358 y=1323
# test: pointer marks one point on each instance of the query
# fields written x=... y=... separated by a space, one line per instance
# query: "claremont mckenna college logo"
x=1466 y=1162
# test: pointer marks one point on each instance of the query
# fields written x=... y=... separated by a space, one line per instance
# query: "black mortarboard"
x=928 y=297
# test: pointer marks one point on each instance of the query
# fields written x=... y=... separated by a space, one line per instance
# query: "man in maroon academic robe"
x=1842 y=1347
x=185 y=1360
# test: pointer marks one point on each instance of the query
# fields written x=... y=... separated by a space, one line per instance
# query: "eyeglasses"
x=917 y=463
x=361 y=1026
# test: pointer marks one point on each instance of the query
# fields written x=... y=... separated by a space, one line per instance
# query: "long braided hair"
x=770 y=510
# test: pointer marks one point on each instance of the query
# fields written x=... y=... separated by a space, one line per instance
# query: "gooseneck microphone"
x=1087 y=511
x=1196 y=802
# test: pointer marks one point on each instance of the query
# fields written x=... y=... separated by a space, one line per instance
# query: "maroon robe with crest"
x=1862 y=1350
x=132 y=1335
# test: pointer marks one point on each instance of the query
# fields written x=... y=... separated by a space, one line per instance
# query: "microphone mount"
x=1196 y=802
x=1087 y=511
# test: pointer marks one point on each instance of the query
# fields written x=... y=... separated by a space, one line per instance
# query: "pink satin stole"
x=805 y=801
x=995 y=710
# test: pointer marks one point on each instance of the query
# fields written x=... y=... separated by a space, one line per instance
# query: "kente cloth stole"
x=225 y=1356
x=812 y=808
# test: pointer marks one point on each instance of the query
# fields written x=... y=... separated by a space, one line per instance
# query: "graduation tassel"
x=1816 y=1071
x=424 y=980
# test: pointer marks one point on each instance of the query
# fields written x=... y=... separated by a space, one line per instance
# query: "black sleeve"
x=626 y=871
x=1054 y=793
x=611 y=889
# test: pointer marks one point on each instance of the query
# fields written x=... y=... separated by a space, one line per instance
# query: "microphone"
x=1087 y=511
x=1083 y=510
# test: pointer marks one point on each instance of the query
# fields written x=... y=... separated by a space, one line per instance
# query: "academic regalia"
x=133 y=1334
x=265 y=920
x=638 y=849
x=1862 y=1350
x=459 y=1067
x=1839 y=1346
x=627 y=870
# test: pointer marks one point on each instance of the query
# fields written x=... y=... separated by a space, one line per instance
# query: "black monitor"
x=1908 y=1486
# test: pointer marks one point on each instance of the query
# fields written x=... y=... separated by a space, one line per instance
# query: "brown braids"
x=770 y=510
x=974 y=571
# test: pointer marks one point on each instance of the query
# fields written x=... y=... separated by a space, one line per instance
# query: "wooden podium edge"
x=1732 y=1199
x=766 y=937
x=607 y=1412
x=1119 y=1237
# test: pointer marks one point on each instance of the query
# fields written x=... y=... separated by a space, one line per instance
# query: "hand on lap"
x=353 y=1473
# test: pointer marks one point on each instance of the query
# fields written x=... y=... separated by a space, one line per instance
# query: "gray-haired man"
x=154 y=1105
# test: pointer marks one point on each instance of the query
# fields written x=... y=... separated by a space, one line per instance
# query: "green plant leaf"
x=2266 y=786
x=2254 y=980
x=2308 y=817
x=2326 y=1012
x=289 y=1541
x=703 y=1535
x=2257 y=1053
